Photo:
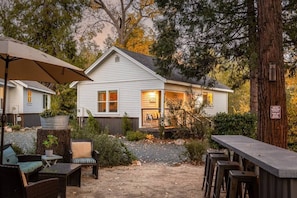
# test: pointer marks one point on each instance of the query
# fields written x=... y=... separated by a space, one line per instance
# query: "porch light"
x=152 y=96
x=272 y=72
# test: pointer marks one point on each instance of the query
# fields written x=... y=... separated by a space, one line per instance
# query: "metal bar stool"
x=236 y=178
x=212 y=164
x=207 y=162
x=222 y=172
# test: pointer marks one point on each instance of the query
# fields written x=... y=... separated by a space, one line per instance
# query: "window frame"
x=29 y=96
x=108 y=101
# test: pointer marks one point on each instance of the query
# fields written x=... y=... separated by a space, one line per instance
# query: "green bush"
x=135 y=135
x=195 y=150
x=16 y=127
x=234 y=124
x=126 y=124
x=112 y=151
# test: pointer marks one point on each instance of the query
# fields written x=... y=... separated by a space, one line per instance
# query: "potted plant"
x=54 y=119
x=49 y=143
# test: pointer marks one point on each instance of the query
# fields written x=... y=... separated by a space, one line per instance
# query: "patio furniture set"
x=42 y=176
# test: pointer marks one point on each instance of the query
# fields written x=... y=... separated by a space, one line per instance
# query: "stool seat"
x=237 y=177
x=222 y=172
x=213 y=160
x=207 y=161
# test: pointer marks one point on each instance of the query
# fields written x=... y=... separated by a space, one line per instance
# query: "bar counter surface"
x=277 y=166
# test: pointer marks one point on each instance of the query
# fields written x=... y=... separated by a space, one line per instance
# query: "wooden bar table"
x=277 y=166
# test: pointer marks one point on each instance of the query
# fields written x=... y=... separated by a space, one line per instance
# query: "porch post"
x=162 y=103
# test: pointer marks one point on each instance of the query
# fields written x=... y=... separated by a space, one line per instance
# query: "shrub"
x=16 y=127
x=195 y=150
x=233 y=124
x=112 y=151
x=126 y=124
x=135 y=135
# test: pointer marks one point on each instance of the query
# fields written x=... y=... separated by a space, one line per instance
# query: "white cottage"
x=127 y=82
x=25 y=101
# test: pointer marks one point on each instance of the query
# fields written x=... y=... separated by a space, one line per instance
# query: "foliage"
x=292 y=114
x=52 y=113
x=189 y=117
x=135 y=135
x=234 y=124
x=92 y=125
x=126 y=124
x=112 y=151
x=195 y=150
x=17 y=149
x=16 y=127
x=50 y=141
x=129 y=21
x=47 y=26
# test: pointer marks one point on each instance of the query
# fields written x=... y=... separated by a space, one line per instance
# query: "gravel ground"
x=163 y=152
x=146 y=151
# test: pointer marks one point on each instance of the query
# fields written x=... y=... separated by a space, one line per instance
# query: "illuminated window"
x=108 y=101
x=29 y=98
x=207 y=98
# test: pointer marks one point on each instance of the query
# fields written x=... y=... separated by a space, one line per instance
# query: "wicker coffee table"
x=68 y=174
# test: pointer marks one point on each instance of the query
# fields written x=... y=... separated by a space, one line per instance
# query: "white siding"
x=36 y=106
x=15 y=100
x=124 y=76
x=130 y=80
x=220 y=103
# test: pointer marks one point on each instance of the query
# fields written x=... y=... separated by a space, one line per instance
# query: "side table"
x=50 y=160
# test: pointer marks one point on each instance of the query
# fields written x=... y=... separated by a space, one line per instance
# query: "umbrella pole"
x=3 y=117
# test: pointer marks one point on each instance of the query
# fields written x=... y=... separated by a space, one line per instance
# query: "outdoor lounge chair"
x=13 y=184
x=29 y=164
x=82 y=152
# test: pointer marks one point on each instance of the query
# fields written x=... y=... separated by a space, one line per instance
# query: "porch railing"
x=151 y=117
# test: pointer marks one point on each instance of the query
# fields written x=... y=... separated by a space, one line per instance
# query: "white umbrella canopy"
x=27 y=63
x=18 y=61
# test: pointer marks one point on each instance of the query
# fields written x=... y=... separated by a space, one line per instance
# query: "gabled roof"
x=34 y=85
x=147 y=63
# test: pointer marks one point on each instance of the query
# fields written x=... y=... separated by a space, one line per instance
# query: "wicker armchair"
x=14 y=184
x=82 y=152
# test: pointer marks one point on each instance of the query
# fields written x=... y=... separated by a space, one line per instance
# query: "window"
x=45 y=102
x=29 y=96
x=207 y=98
x=108 y=101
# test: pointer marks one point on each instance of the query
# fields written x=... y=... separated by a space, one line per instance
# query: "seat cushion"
x=81 y=149
x=28 y=167
x=9 y=156
x=84 y=160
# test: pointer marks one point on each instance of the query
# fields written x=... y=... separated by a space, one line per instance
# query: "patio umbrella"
x=18 y=61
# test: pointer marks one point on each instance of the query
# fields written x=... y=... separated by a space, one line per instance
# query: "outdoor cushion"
x=28 y=167
x=81 y=149
x=84 y=161
x=9 y=156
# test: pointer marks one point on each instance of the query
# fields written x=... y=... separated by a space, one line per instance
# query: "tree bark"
x=253 y=56
x=271 y=129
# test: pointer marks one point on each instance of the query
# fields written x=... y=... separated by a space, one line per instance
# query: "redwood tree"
x=272 y=118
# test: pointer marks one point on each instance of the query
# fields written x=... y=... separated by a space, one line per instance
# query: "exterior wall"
x=36 y=106
x=220 y=103
x=129 y=79
x=14 y=102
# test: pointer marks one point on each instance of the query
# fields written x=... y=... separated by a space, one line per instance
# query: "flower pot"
x=49 y=152
x=59 y=122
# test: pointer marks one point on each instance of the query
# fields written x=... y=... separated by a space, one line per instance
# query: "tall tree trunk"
x=272 y=117
x=253 y=57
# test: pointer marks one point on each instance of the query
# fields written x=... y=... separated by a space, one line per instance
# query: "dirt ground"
x=147 y=180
